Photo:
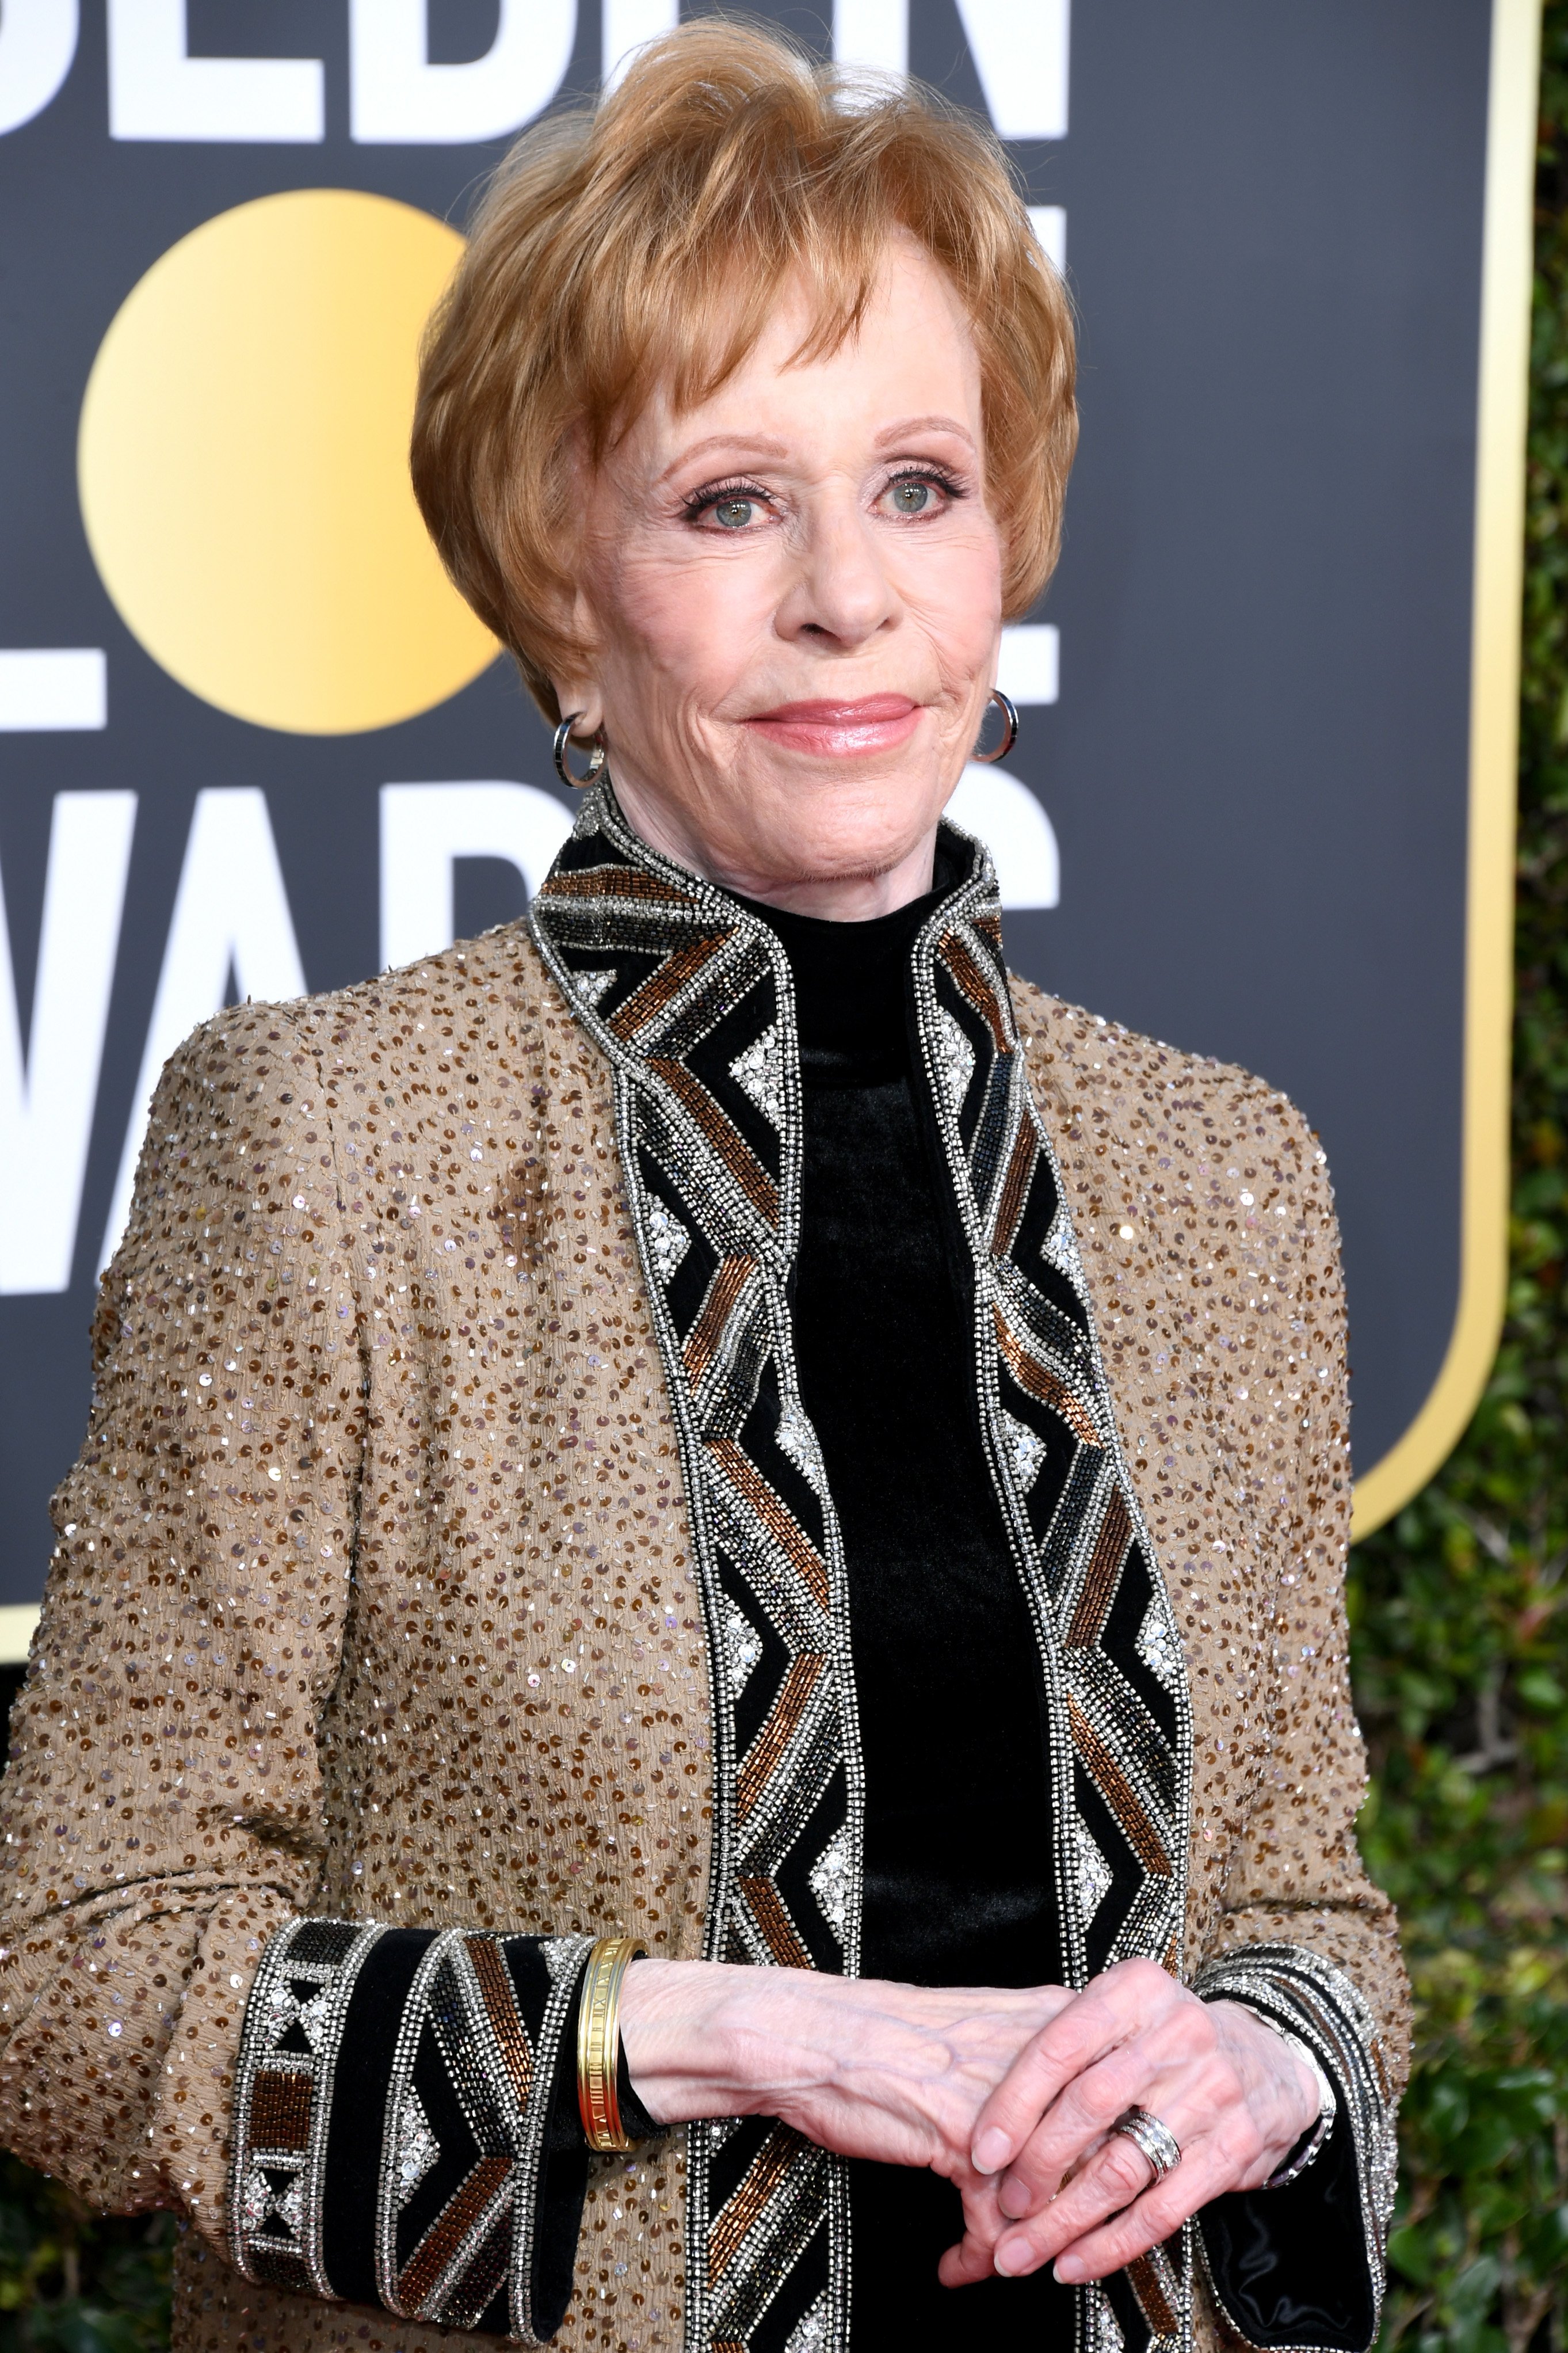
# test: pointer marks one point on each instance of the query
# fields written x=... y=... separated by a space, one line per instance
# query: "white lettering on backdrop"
x=397 y=97
x=44 y=690
x=37 y=44
x=1001 y=812
x=625 y=25
x=158 y=90
x=231 y=921
x=46 y=1095
x=426 y=827
x=1020 y=55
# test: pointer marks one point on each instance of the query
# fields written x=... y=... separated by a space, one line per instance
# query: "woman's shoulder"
x=439 y=1000
x=1147 y=1097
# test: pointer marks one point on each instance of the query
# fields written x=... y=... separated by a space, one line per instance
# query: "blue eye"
x=732 y=515
x=911 y=498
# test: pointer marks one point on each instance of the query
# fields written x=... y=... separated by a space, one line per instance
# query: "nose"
x=840 y=591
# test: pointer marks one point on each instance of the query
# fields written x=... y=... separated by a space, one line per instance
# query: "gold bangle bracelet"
x=599 y=2041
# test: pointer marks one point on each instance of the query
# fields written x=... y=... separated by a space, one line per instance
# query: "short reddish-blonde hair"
x=641 y=243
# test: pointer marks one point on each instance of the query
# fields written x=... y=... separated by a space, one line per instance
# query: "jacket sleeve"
x=173 y=2032
x=1303 y=1935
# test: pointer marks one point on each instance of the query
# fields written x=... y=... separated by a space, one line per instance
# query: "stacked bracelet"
x=599 y=2041
x=1312 y=2139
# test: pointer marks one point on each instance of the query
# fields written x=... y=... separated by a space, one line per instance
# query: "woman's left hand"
x=1235 y=2097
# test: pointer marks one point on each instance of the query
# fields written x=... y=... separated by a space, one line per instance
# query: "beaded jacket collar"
x=690 y=996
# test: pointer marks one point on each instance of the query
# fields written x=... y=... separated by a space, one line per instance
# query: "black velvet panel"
x=902 y=2221
x=356 y=2127
x=1291 y=2265
x=562 y=2186
x=958 y=1832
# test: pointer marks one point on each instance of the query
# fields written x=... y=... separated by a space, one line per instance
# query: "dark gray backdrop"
x=1256 y=769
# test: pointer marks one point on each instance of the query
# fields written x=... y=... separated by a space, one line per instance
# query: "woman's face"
x=794 y=596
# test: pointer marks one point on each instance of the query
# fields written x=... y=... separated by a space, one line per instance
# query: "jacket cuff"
x=1300 y=2269
x=398 y=2120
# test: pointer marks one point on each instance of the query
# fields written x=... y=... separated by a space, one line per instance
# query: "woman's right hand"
x=863 y=2066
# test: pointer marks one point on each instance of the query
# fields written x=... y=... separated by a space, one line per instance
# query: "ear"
x=575 y=687
x=581 y=697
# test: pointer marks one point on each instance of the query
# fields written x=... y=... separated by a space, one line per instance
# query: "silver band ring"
x=1157 y=2141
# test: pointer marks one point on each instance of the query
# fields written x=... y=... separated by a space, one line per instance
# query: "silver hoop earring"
x=1009 y=711
x=595 y=759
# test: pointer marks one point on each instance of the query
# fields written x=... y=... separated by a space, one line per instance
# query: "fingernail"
x=1068 y=2272
x=1008 y=2258
x=992 y=2150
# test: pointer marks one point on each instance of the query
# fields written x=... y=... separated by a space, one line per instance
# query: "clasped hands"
x=1010 y=2095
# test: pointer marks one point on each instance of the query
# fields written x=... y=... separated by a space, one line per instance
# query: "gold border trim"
x=1502 y=420
x=17 y=1621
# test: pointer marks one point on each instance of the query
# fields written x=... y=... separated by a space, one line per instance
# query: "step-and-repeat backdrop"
x=250 y=744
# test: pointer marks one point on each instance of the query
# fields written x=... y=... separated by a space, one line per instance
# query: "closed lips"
x=878 y=723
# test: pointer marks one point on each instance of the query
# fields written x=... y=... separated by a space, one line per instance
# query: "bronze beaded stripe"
x=976 y=988
x=1099 y=1579
x=511 y=2036
x=441 y=2242
x=783 y=1721
x=662 y=986
x=725 y=1138
x=991 y=925
x=708 y=1329
x=1118 y=1794
x=1149 y=2290
x=1042 y=1384
x=1015 y=1187
x=614 y=882
x=281 y=2108
x=779 y=1521
x=772 y=1915
x=767 y=2172
x=474 y=2287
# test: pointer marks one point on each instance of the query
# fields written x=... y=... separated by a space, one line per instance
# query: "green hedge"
x=1460 y=1628
x=1461 y=1640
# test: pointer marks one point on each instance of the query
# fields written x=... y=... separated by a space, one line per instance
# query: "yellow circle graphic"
x=244 y=466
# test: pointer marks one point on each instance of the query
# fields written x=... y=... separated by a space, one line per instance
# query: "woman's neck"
x=842 y=897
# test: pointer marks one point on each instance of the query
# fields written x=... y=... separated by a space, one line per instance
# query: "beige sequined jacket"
x=444 y=1408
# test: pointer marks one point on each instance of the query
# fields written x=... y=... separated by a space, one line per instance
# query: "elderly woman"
x=715 y=1425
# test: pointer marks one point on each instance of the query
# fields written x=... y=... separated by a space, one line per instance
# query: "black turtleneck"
x=958 y=1839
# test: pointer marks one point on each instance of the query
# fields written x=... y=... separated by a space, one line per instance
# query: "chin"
x=856 y=843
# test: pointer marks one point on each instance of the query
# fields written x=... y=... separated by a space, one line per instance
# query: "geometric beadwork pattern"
x=697 y=1021
x=1120 y=1730
x=293 y=2026
x=421 y=2196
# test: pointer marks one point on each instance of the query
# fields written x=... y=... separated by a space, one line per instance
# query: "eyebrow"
x=758 y=447
x=908 y=424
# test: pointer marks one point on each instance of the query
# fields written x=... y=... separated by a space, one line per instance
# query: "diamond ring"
x=1157 y=2141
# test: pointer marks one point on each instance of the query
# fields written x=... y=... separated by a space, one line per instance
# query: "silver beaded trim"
x=283 y=2099
x=769 y=1554
x=501 y=2076
x=461 y=2018
x=1306 y=1995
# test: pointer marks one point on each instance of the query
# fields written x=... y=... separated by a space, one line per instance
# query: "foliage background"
x=1461 y=1633
x=1461 y=1645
